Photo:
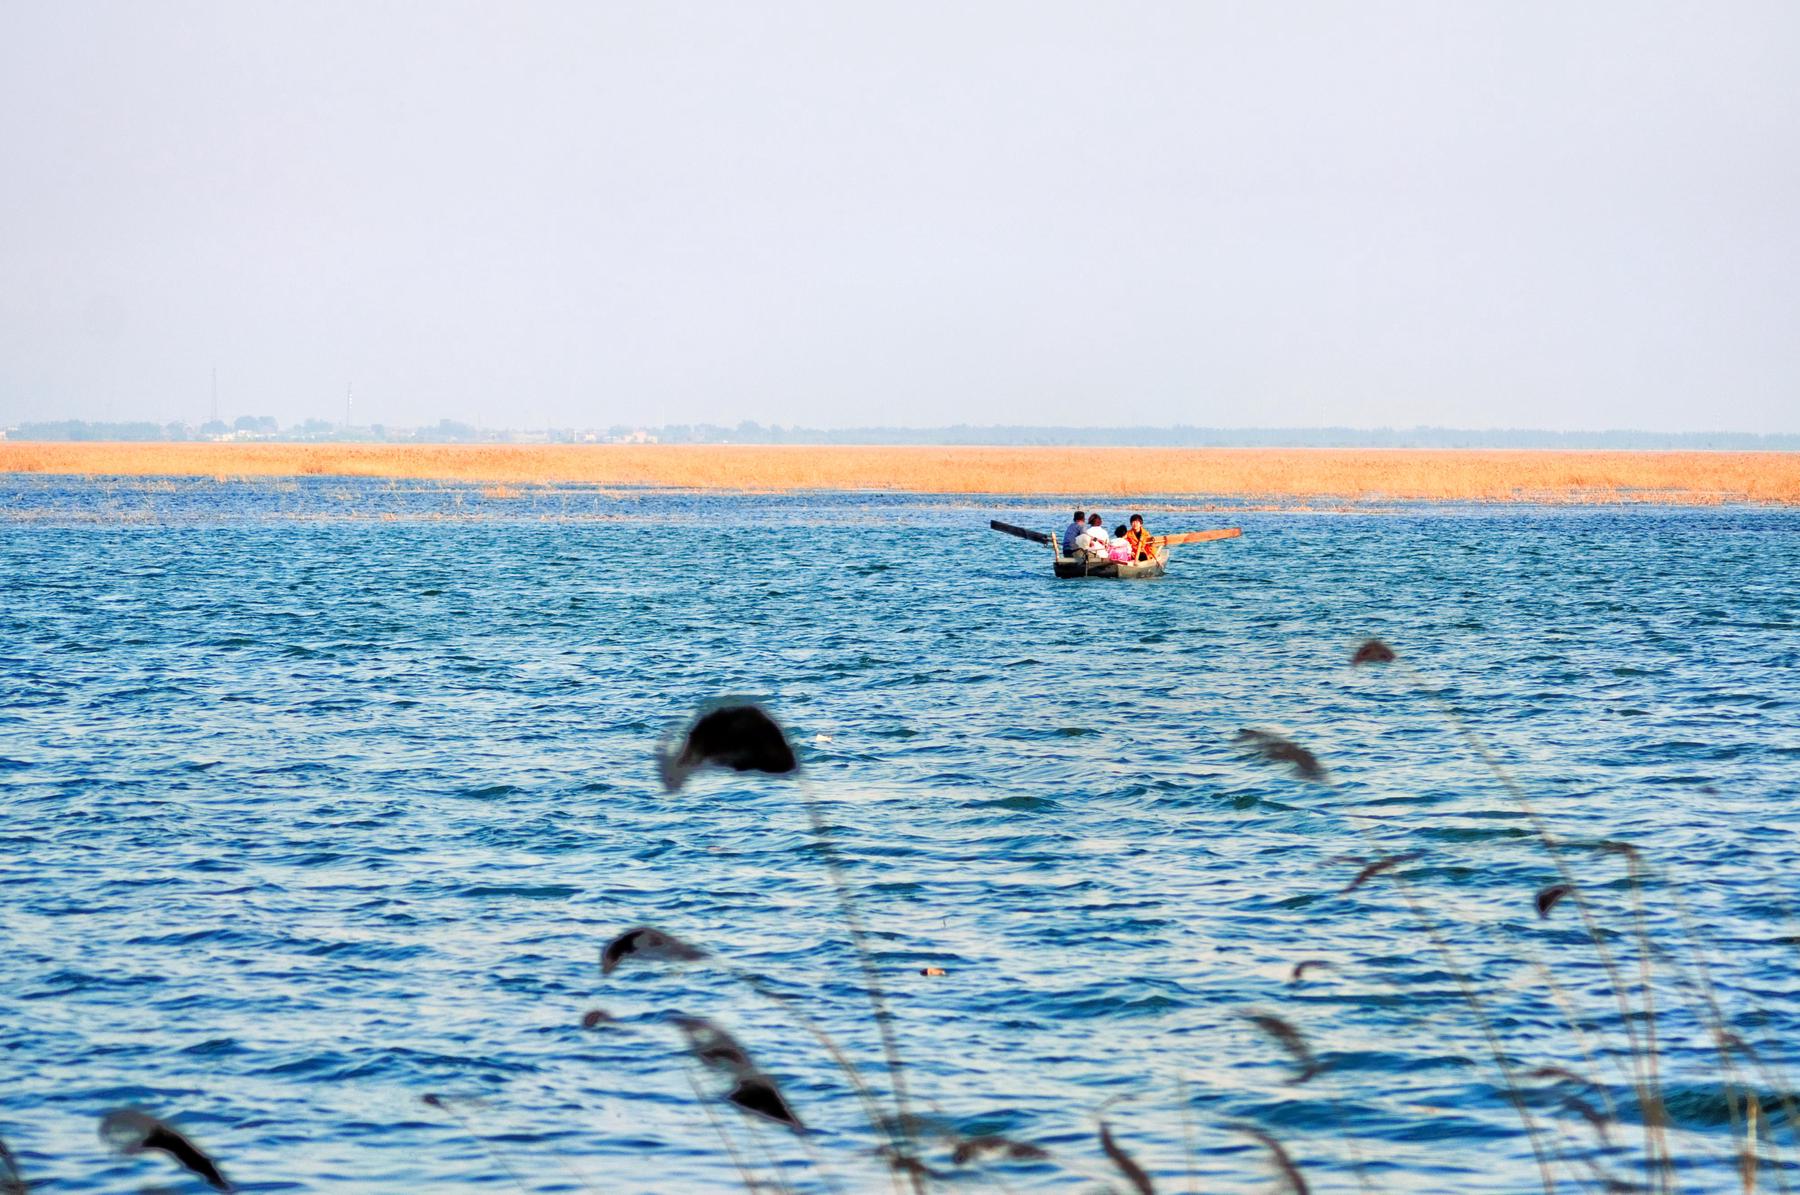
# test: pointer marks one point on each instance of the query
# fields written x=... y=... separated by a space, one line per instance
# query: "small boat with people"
x=1130 y=553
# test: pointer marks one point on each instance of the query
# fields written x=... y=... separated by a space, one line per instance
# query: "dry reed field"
x=1676 y=478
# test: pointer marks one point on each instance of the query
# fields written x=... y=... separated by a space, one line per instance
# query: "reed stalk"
x=1658 y=1164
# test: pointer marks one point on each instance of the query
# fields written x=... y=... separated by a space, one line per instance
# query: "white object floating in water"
x=821 y=738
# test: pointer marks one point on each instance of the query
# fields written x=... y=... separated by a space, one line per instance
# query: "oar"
x=1036 y=537
x=1197 y=537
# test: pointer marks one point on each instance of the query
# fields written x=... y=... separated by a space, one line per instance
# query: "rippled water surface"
x=322 y=796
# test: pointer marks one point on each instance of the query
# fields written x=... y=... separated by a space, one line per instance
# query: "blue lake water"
x=322 y=796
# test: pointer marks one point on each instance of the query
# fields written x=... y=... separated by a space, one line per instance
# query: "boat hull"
x=1070 y=568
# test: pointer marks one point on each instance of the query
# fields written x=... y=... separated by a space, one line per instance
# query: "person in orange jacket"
x=1138 y=536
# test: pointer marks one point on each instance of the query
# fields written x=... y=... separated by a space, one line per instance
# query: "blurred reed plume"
x=741 y=737
x=132 y=1131
x=1284 y=1164
x=972 y=1149
x=444 y=1104
x=11 y=1181
x=1303 y=966
x=1547 y=897
x=1566 y=1115
x=1134 y=1173
x=1289 y=1039
x=736 y=736
x=1595 y=1118
x=752 y=1090
x=1376 y=868
x=1276 y=749
x=650 y=945
x=1564 y=1075
x=1639 y=1025
x=1577 y=1103
x=758 y=1094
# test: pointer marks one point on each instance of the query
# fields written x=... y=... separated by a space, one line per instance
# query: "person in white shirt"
x=1094 y=541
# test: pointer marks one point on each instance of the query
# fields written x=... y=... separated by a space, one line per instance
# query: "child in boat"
x=1120 y=550
x=1139 y=537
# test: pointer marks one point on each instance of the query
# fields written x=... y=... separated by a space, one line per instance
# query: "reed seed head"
x=1595 y=1118
x=650 y=945
x=1562 y=1075
x=751 y=1090
x=12 y=1182
x=759 y=1096
x=1276 y=749
x=740 y=737
x=1303 y=966
x=132 y=1131
x=1289 y=1039
x=972 y=1148
x=1290 y=1173
x=1729 y=1040
x=1548 y=896
x=1385 y=863
x=1134 y=1174
x=901 y=1162
x=716 y=1049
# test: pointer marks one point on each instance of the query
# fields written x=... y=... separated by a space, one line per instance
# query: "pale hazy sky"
x=1559 y=215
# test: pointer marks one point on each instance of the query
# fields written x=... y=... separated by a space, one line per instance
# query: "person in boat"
x=1094 y=542
x=1139 y=536
x=1073 y=532
x=1120 y=550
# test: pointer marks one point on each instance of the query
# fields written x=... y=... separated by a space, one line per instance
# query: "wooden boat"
x=1080 y=566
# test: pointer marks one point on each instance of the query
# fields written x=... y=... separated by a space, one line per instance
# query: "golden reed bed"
x=1683 y=478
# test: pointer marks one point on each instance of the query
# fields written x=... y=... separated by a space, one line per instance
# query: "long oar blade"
x=1036 y=537
x=1198 y=537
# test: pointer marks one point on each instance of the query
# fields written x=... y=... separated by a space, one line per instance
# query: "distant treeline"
x=447 y=431
x=1182 y=436
x=247 y=426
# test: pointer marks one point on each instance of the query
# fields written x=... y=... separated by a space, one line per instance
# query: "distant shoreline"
x=1559 y=476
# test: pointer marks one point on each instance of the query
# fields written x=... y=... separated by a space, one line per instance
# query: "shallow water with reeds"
x=322 y=796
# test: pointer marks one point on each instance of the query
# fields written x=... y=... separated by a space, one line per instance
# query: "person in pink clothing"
x=1119 y=550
